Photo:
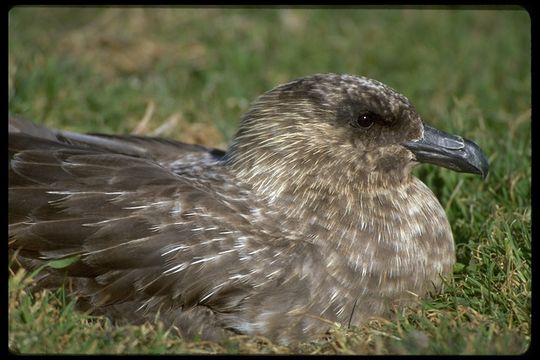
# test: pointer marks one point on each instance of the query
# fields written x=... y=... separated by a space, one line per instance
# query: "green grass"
x=466 y=71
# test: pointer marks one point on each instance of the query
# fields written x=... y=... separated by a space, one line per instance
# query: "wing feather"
x=153 y=233
x=143 y=230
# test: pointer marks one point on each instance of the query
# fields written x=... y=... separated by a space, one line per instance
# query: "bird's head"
x=330 y=130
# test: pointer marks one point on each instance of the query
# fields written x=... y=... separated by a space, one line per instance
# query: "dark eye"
x=365 y=120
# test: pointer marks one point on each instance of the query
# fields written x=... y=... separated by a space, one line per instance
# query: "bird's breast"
x=393 y=244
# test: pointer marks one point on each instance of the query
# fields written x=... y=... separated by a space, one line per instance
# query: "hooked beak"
x=449 y=151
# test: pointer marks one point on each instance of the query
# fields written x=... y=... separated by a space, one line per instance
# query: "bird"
x=310 y=218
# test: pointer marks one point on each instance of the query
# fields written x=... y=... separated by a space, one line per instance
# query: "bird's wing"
x=143 y=233
x=160 y=150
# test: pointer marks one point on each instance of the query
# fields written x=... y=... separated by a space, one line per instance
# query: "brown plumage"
x=311 y=216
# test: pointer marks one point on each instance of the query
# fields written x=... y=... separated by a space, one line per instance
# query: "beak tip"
x=477 y=158
x=484 y=174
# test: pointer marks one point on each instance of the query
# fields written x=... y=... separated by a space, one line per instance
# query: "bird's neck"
x=326 y=194
x=323 y=181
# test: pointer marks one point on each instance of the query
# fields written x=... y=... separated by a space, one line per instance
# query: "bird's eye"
x=364 y=120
